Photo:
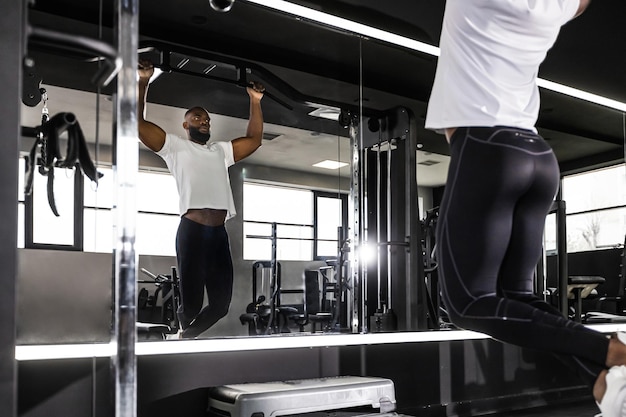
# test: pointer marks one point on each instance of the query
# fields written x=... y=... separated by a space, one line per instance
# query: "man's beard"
x=197 y=136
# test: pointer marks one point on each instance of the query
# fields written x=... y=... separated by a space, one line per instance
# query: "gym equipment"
x=261 y=314
x=267 y=315
x=384 y=318
x=437 y=315
x=579 y=287
x=298 y=397
x=323 y=295
x=395 y=294
x=47 y=140
x=161 y=306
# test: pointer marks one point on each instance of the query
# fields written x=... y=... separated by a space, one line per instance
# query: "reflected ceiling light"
x=328 y=164
x=374 y=33
x=222 y=6
x=326 y=112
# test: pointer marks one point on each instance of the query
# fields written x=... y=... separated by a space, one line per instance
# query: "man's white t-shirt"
x=201 y=173
x=490 y=54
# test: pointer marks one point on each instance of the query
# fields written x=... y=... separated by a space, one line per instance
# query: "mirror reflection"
x=335 y=212
x=279 y=187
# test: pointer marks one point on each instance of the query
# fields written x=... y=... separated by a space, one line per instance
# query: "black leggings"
x=204 y=264
x=501 y=184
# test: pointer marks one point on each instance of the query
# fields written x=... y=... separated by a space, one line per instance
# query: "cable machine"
x=385 y=207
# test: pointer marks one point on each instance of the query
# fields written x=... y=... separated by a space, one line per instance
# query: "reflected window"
x=20 y=202
x=157 y=214
x=91 y=229
x=330 y=217
x=43 y=228
x=306 y=222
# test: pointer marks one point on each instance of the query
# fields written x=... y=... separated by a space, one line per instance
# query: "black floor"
x=586 y=408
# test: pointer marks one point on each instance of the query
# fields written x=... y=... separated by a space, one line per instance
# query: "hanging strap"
x=77 y=152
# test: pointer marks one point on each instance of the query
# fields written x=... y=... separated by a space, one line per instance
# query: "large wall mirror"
x=345 y=165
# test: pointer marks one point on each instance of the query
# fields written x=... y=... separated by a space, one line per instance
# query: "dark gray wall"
x=11 y=45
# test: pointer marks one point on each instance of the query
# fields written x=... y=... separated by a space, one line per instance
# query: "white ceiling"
x=293 y=149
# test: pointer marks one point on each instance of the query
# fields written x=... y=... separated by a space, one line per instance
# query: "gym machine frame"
x=399 y=252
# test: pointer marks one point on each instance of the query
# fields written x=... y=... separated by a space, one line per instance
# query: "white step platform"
x=298 y=397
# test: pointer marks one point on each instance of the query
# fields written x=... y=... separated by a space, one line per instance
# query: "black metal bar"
x=228 y=80
x=277 y=83
x=54 y=40
x=561 y=243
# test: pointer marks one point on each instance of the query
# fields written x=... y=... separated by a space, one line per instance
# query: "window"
x=157 y=214
x=86 y=216
x=596 y=210
x=20 y=203
x=330 y=216
x=306 y=222
x=43 y=228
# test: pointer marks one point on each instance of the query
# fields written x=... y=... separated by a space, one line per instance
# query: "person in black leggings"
x=203 y=252
x=501 y=183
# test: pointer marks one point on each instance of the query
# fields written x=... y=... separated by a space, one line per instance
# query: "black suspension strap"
x=47 y=140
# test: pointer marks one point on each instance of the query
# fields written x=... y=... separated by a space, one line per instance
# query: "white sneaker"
x=621 y=336
x=613 y=403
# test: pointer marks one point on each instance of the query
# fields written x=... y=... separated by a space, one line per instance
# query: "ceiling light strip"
x=349 y=25
x=368 y=31
x=583 y=95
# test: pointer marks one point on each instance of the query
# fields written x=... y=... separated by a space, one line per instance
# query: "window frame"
x=343 y=196
x=77 y=244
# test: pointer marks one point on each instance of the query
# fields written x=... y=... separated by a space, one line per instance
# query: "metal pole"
x=561 y=243
x=364 y=237
x=378 y=227
x=389 y=237
x=125 y=172
x=274 y=286
x=355 y=210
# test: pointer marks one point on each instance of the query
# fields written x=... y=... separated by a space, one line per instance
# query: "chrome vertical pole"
x=365 y=243
x=389 y=237
x=354 y=221
x=379 y=226
x=125 y=172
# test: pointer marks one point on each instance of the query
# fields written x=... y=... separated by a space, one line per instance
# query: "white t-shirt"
x=201 y=173
x=490 y=55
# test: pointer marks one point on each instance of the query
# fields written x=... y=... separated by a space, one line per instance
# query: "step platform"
x=310 y=397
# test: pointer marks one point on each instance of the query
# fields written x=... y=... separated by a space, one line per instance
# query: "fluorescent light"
x=331 y=113
x=583 y=95
x=42 y=352
x=328 y=164
x=349 y=25
x=392 y=38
